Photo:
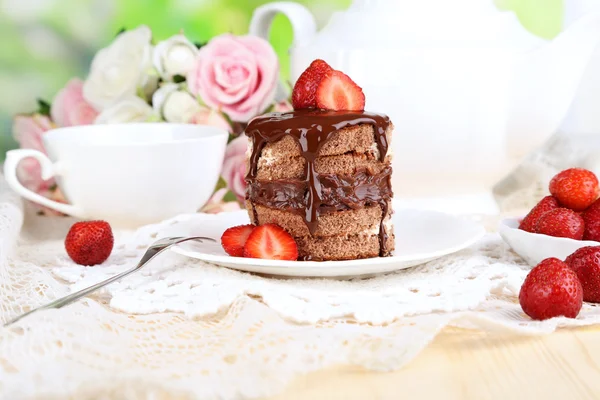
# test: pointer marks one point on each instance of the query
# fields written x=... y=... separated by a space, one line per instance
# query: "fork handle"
x=66 y=300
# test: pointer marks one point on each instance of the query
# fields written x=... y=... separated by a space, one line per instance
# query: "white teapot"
x=583 y=118
x=469 y=90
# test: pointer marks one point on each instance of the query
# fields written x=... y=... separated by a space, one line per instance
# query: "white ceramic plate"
x=421 y=236
x=534 y=247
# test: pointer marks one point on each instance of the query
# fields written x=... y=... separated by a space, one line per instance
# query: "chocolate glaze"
x=318 y=192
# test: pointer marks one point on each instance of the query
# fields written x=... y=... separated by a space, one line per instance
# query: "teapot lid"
x=407 y=23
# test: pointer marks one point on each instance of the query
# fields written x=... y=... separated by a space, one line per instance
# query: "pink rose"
x=206 y=116
x=216 y=204
x=235 y=74
x=53 y=194
x=69 y=108
x=234 y=167
x=28 y=131
x=283 y=106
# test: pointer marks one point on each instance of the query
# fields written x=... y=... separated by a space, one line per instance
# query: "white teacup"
x=127 y=174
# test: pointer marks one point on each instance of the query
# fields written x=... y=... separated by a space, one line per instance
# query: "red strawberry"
x=550 y=290
x=591 y=216
x=586 y=264
x=271 y=242
x=234 y=239
x=561 y=222
x=90 y=242
x=305 y=89
x=575 y=188
x=529 y=223
x=338 y=92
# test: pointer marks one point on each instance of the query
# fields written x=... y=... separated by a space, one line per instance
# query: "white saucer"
x=534 y=247
x=421 y=236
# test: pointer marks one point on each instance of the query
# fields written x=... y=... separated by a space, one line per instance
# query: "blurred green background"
x=45 y=42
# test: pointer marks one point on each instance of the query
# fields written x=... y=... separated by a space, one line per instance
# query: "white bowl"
x=534 y=247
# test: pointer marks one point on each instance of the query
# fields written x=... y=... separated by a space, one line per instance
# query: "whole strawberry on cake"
x=323 y=171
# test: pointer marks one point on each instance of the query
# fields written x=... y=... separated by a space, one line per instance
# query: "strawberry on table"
x=338 y=92
x=234 y=239
x=591 y=216
x=586 y=264
x=305 y=89
x=89 y=242
x=561 y=222
x=530 y=221
x=551 y=289
x=575 y=188
x=271 y=242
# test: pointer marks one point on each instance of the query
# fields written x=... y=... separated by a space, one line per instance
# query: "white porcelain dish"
x=534 y=247
x=421 y=236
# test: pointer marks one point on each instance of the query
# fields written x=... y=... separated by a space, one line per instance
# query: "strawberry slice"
x=271 y=242
x=305 y=89
x=338 y=92
x=234 y=239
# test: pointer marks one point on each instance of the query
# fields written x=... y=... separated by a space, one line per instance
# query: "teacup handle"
x=13 y=158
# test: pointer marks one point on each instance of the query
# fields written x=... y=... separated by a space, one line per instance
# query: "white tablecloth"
x=193 y=329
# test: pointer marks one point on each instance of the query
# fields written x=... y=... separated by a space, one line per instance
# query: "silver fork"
x=155 y=249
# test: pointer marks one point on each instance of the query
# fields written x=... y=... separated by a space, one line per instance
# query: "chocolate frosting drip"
x=311 y=129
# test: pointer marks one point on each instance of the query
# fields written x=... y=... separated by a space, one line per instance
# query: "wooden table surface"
x=472 y=365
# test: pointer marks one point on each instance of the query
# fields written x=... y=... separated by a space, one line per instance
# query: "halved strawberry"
x=271 y=242
x=234 y=239
x=305 y=89
x=338 y=92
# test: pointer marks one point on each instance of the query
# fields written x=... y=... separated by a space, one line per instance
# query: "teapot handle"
x=303 y=22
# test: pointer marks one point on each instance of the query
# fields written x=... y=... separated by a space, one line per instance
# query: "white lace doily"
x=201 y=331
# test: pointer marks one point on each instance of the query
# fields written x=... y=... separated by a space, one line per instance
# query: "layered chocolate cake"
x=324 y=177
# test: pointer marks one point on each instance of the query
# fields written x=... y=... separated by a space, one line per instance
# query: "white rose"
x=130 y=109
x=175 y=105
x=118 y=70
x=174 y=56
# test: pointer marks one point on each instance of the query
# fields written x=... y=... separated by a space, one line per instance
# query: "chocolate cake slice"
x=323 y=176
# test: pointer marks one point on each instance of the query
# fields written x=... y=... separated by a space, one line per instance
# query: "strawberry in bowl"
x=562 y=222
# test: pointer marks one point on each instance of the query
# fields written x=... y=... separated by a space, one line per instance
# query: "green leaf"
x=220 y=184
x=229 y=196
x=120 y=31
x=141 y=94
x=199 y=44
x=154 y=118
x=270 y=109
x=178 y=78
x=43 y=107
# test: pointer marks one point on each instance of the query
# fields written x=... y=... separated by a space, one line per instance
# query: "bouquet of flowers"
x=223 y=83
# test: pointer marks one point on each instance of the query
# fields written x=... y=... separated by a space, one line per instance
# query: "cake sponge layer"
x=348 y=222
x=346 y=247
x=293 y=168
